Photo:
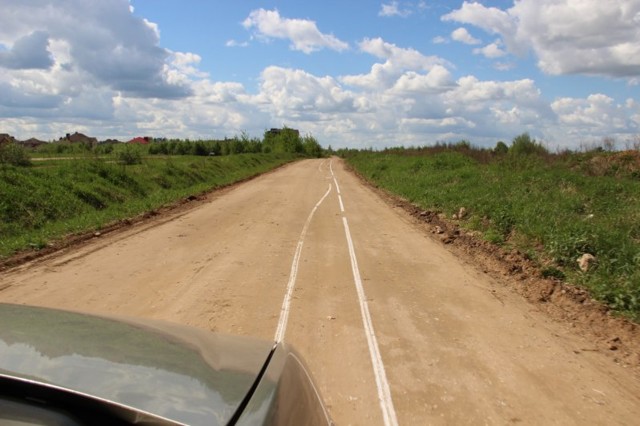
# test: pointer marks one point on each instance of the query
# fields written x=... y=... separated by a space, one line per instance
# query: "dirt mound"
x=620 y=164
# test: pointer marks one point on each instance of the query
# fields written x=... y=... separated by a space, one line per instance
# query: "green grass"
x=49 y=200
x=552 y=208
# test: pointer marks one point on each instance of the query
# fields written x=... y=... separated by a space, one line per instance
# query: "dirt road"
x=376 y=305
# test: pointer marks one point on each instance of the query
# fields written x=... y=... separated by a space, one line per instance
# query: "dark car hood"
x=183 y=374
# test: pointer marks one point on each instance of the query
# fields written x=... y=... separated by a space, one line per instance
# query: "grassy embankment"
x=553 y=208
x=51 y=199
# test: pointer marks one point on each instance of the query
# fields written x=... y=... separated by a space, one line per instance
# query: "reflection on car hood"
x=183 y=374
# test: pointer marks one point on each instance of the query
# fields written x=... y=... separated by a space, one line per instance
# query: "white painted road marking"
x=382 y=384
x=384 y=391
x=286 y=303
x=337 y=186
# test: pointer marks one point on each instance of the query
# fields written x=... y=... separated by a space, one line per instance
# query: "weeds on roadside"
x=554 y=207
x=41 y=204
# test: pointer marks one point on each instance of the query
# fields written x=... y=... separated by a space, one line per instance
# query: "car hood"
x=179 y=373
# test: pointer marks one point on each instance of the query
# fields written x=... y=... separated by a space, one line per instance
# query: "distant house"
x=32 y=143
x=142 y=140
x=79 y=138
x=6 y=139
x=109 y=142
x=276 y=132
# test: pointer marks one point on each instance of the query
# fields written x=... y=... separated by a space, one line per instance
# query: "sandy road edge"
x=615 y=337
x=144 y=221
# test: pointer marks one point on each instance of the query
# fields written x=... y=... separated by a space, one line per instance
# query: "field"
x=75 y=192
x=552 y=207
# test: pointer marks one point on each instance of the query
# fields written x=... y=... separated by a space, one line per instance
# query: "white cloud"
x=596 y=111
x=393 y=9
x=491 y=51
x=303 y=34
x=504 y=66
x=440 y=40
x=490 y=19
x=28 y=52
x=235 y=43
x=463 y=36
x=589 y=37
x=102 y=42
x=49 y=86
x=397 y=61
x=186 y=64
x=438 y=80
x=296 y=92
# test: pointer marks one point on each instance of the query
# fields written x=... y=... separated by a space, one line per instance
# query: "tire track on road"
x=286 y=303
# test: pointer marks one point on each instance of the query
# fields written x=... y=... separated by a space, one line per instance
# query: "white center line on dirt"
x=337 y=186
x=286 y=303
x=334 y=177
x=384 y=391
x=341 y=204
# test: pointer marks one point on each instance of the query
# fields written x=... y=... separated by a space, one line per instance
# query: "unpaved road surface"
x=450 y=344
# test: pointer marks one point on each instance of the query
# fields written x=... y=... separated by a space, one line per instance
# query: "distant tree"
x=463 y=145
x=524 y=145
x=284 y=140
x=311 y=146
x=501 y=148
x=236 y=146
x=215 y=148
x=184 y=148
x=199 y=148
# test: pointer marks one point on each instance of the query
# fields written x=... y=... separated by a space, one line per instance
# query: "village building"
x=32 y=143
x=79 y=138
x=6 y=139
x=142 y=140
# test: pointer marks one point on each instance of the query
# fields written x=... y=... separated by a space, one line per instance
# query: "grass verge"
x=51 y=200
x=553 y=210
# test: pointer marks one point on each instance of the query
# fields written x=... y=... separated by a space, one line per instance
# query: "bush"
x=129 y=156
x=501 y=148
x=524 y=145
x=311 y=147
x=14 y=155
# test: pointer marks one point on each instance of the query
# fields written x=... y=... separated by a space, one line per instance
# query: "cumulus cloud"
x=106 y=44
x=397 y=61
x=490 y=19
x=438 y=80
x=28 y=52
x=393 y=9
x=491 y=51
x=291 y=92
x=463 y=36
x=597 y=111
x=50 y=85
x=567 y=36
x=303 y=34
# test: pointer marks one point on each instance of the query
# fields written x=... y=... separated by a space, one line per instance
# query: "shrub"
x=14 y=155
x=501 y=148
x=524 y=145
x=129 y=156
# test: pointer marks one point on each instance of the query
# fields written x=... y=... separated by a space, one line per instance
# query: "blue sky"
x=352 y=73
